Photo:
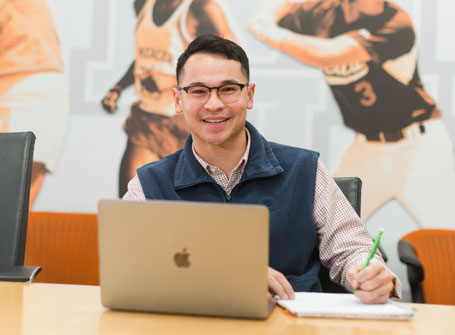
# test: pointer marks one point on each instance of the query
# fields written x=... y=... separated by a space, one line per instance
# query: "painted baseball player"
x=33 y=89
x=164 y=29
x=368 y=53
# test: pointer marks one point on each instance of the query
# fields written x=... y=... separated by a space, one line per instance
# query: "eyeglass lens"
x=226 y=93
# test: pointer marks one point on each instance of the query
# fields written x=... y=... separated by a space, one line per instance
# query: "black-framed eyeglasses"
x=200 y=94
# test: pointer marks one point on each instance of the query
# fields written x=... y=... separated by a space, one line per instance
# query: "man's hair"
x=212 y=44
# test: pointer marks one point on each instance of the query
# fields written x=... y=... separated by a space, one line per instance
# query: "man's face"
x=369 y=7
x=214 y=123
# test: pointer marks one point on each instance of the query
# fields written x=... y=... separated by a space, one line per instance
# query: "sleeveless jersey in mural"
x=157 y=50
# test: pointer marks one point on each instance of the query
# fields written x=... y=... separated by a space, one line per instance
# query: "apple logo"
x=181 y=259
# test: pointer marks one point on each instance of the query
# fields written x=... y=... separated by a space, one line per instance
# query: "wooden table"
x=76 y=309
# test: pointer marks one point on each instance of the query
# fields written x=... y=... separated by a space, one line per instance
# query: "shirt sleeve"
x=343 y=238
x=135 y=192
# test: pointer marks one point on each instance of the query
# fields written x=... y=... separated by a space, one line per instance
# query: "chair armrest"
x=408 y=256
x=20 y=273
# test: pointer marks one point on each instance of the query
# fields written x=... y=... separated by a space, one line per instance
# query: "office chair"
x=352 y=190
x=16 y=155
x=429 y=255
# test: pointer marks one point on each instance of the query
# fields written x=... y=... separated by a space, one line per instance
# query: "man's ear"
x=177 y=101
x=251 y=88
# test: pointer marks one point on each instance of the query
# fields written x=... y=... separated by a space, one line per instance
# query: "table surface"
x=76 y=309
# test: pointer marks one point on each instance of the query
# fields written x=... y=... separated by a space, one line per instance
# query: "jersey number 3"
x=366 y=91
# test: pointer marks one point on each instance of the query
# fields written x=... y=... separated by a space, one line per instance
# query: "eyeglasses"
x=200 y=94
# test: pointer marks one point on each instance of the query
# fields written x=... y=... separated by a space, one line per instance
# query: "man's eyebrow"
x=230 y=81
x=196 y=83
x=224 y=82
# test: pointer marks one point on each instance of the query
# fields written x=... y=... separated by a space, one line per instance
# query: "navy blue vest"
x=281 y=177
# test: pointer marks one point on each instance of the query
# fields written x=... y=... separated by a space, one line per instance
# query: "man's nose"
x=214 y=102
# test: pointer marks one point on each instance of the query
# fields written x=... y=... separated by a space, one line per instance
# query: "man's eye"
x=228 y=89
x=198 y=91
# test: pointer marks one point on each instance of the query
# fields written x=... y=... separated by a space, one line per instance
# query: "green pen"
x=373 y=250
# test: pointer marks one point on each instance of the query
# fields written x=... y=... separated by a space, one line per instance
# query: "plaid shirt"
x=343 y=238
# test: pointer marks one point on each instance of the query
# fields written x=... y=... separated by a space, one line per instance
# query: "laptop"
x=184 y=257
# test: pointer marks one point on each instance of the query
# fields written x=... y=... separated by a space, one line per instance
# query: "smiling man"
x=225 y=159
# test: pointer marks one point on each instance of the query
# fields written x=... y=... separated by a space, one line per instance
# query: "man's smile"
x=217 y=121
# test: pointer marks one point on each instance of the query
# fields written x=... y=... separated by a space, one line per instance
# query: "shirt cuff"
x=396 y=293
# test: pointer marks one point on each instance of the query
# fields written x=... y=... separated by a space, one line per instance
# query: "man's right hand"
x=279 y=285
x=109 y=102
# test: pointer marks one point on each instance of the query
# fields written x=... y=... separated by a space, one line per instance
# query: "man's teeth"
x=214 y=121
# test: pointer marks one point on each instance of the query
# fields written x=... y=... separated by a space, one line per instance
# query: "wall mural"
x=367 y=50
x=370 y=84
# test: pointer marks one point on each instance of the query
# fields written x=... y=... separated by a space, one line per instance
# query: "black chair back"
x=16 y=159
x=352 y=190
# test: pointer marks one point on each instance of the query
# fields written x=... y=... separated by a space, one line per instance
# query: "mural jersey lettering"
x=156 y=54
x=157 y=51
x=345 y=74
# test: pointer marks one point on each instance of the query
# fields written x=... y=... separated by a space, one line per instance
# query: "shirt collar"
x=240 y=165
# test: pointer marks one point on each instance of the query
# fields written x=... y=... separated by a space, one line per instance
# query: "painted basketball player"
x=164 y=29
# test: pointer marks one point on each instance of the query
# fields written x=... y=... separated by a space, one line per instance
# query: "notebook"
x=343 y=305
x=184 y=257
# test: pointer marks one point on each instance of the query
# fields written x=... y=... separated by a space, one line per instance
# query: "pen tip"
x=381 y=230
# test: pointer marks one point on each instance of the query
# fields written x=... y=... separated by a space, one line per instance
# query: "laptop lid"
x=184 y=257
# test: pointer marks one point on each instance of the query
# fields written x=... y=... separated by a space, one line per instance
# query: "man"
x=164 y=28
x=367 y=50
x=225 y=159
x=33 y=89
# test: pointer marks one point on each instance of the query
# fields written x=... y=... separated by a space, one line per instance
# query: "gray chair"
x=16 y=156
x=352 y=190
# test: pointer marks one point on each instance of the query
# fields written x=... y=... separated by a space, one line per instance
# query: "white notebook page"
x=343 y=306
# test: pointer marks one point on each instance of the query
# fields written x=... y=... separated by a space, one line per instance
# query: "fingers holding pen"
x=373 y=284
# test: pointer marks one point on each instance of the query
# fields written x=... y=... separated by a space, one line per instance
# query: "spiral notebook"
x=345 y=306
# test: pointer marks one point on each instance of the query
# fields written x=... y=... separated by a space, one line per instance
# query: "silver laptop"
x=184 y=257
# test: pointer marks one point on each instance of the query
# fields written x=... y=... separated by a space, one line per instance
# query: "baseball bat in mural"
x=164 y=28
x=368 y=53
x=33 y=90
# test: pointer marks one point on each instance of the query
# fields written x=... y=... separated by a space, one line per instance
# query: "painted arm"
x=109 y=101
x=208 y=17
x=315 y=51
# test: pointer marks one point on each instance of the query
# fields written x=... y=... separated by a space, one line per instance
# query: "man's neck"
x=226 y=157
